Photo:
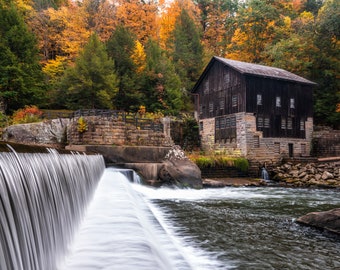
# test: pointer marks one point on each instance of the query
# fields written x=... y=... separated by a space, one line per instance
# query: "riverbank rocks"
x=328 y=220
x=319 y=174
x=178 y=170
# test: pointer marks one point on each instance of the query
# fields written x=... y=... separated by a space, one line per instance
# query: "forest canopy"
x=117 y=54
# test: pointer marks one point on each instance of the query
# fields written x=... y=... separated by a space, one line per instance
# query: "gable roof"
x=256 y=70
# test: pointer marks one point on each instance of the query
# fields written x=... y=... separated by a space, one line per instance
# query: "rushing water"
x=48 y=221
x=131 y=226
x=249 y=228
x=42 y=199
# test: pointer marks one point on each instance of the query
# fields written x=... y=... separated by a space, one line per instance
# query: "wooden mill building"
x=259 y=112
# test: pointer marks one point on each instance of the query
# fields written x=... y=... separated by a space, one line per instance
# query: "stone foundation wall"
x=326 y=143
x=108 y=131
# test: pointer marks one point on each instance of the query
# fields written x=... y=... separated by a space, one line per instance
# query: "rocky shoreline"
x=325 y=173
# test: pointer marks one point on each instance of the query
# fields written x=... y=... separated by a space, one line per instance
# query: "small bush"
x=82 y=125
x=204 y=162
x=29 y=114
x=242 y=164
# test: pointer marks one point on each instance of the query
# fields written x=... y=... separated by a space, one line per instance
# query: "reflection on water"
x=249 y=228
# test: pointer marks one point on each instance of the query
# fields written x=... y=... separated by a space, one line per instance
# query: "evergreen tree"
x=188 y=51
x=20 y=71
x=162 y=84
x=92 y=82
x=327 y=65
x=121 y=47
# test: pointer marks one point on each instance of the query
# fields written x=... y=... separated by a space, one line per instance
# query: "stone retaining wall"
x=104 y=131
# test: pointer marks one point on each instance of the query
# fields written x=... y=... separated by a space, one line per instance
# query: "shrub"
x=82 y=125
x=242 y=164
x=29 y=114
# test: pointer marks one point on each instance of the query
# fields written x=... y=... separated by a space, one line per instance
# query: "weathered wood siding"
x=286 y=119
x=221 y=92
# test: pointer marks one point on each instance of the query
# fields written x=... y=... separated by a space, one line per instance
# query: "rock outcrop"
x=49 y=132
x=328 y=220
x=177 y=169
x=318 y=174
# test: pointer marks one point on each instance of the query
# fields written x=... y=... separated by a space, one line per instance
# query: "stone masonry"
x=111 y=131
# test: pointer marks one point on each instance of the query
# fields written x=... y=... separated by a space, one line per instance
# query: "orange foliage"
x=139 y=17
x=28 y=114
x=169 y=15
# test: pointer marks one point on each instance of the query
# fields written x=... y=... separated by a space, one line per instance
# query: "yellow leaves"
x=82 y=125
x=139 y=17
x=54 y=68
x=139 y=57
x=306 y=17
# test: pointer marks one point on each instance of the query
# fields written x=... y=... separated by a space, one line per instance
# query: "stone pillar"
x=166 y=126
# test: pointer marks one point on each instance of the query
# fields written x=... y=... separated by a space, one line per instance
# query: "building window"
x=217 y=123
x=227 y=124
x=227 y=78
x=260 y=122
x=302 y=124
x=222 y=123
x=278 y=101
x=266 y=122
x=283 y=123
x=259 y=99
x=233 y=121
x=290 y=123
x=256 y=142
x=221 y=104
x=234 y=101
x=211 y=107
x=206 y=87
x=292 y=103
x=201 y=126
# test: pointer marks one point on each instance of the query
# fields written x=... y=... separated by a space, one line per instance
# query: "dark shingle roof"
x=263 y=71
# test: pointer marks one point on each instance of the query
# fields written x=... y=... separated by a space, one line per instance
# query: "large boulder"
x=328 y=220
x=48 y=132
x=178 y=170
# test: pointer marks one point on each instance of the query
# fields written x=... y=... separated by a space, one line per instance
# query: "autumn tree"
x=296 y=51
x=92 y=82
x=21 y=81
x=216 y=16
x=139 y=17
x=257 y=23
x=168 y=16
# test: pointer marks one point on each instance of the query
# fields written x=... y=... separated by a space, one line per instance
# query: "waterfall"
x=264 y=174
x=43 y=197
x=120 y=231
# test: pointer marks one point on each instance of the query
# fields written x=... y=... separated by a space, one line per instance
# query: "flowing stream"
x=68 y=212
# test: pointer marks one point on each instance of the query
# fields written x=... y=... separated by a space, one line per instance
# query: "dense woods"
x=117 y=54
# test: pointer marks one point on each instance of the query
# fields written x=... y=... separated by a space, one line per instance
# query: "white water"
x=122 y=231
x=42 y=198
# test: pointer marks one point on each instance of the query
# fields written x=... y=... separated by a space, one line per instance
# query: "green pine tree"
x=188 y=52
x=92 y=82
x=21 y=80
x=162 y=83
x=120 y=47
